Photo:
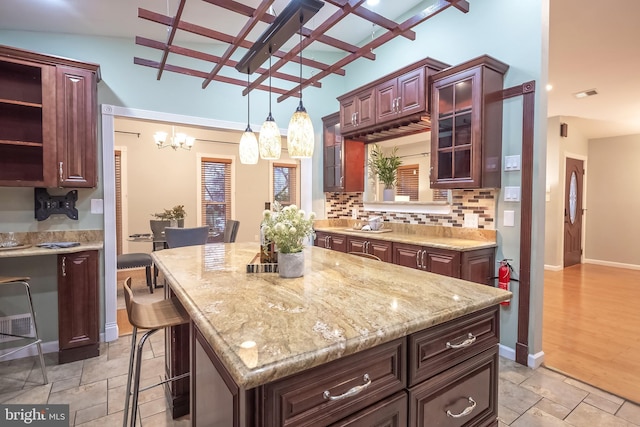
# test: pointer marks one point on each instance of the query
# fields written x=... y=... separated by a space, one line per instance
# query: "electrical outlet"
x=470 y=220
x=509 y=219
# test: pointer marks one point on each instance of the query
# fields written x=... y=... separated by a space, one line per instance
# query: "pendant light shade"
x=269 y=140
x=248 y=143
x=300 y=140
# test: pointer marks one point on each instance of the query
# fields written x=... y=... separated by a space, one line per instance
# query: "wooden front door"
x=574 y=179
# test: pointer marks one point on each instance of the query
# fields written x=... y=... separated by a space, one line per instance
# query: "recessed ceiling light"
x=549 y=87
x=585 y=93
x=372 y=2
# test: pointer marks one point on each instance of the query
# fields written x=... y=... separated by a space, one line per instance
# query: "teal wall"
x=513 y=32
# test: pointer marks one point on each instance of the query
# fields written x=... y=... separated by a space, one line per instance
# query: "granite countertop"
x=457 y=239
x=88 y=239
x=264 y=327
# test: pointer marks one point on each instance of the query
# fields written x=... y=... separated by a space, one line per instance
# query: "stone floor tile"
x=501 y=424
x=117 y=381
x=535 y=417
x=602 y=403
x=555 y=389
x=65 y=384
x=17 y=369
x=9 y=385
x=116 y=396
x=553 y=408
x=83 y=396
x=630 y=412
x=164 y=420
x=36 y=395
x=110 y=420
x=587 y=415
x=91 y=413
x=554 y=374
x=516 y=398
x=4 y=397
x=594 y=390
x=507 y=415
x=153 y=407
x=514 y=372
x=56 y=372
x=101 y=370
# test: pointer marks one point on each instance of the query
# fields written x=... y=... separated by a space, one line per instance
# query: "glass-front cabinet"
x=343 y=166
x=466 y=142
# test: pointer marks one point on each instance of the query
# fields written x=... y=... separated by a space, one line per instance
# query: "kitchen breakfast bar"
x=353 y=342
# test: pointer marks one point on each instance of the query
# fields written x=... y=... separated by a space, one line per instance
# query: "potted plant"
x=385 y=167
x=287 y=228
x=176 y=215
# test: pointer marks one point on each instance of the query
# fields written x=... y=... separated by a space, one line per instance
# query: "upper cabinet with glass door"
x=466 y=140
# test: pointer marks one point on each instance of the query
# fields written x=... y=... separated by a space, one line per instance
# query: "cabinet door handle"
x=60 y=171
x=341 y=181
x=418 y=259
x=466 y=343
x=354 y=391
x=353 y=119
x=64 y=266
x=424 y=264
x=329 y=242
x=398 y=104
x=469 y=409
x=356 y=114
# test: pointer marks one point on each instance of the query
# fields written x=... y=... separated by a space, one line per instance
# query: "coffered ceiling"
x=590 y=46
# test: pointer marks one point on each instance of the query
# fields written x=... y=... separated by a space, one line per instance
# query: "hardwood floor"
x=591 y=324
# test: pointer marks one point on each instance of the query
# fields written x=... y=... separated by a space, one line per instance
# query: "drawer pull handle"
x=466 y=343
x=469 y=409
x=351 y=392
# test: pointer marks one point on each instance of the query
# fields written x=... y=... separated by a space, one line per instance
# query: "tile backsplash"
x=478 y=201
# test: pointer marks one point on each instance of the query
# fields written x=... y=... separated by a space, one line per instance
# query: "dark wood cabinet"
x=343 y=167
x=357 y=111
x=48 y=114
x=466 y=138
x=401 y=96
x=475 y=265
x=380 y=248
x=395 y=105
x=391 y=412
x=78 y=309
x=337 y=242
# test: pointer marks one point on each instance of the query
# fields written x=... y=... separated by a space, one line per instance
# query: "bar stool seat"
x=154 y=317
x=138 y=260
x=24 y=281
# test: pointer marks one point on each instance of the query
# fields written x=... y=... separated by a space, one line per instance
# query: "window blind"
x=216 y=193
x=284 y=184
x=118 y=164
x=408 y=181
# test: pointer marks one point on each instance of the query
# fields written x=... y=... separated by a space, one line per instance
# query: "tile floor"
x=94 y=389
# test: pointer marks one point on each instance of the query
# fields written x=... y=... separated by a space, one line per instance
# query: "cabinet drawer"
x=465 y=395
x=300 y=400
x=391 y=412
x=434 y=350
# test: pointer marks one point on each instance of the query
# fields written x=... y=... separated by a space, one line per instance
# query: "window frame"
x=289 y=164
x=200 y=158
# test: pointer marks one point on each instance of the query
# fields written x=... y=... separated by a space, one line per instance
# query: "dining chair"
x=157 y=229
x=231 y=230
x=365 y=255
x=178 y=237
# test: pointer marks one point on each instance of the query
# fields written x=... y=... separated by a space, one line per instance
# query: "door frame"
x=569 y=155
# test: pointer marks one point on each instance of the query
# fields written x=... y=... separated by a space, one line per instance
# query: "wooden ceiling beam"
x=222 y=37
x=337 y=16
x=375 y=18
x=172 y=34
x=200 y=74
x=178 y=50
x=248 y=11
x=242 y=35
x=384 y=38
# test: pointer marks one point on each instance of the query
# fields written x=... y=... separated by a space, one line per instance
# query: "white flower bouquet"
x=287 y=227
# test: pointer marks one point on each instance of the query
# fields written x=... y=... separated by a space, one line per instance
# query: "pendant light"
x=300 y=138
x=270 y=141
x=248 y=143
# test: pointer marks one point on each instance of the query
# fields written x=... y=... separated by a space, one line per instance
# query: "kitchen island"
x=352 y=340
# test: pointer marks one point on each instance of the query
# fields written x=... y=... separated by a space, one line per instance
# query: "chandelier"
x=177 y=140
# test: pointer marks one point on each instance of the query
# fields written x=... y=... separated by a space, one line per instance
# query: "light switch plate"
x=511 y=194
x=509 y=219
x=512 y=163
x=470 y=220
x=97 y=206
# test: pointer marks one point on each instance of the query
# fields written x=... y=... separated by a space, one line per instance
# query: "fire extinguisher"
x=504 y=277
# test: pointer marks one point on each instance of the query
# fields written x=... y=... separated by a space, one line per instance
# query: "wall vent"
x=585 y=93
x=19 y=324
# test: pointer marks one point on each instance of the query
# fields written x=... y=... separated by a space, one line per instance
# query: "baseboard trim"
x=533 y=360
x=47 y=347
x=553 y=267
x=612 y=264
x=111 y=332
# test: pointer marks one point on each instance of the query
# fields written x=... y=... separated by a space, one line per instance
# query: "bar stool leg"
x=136 y=380
x=35 y=329
x=132 y=353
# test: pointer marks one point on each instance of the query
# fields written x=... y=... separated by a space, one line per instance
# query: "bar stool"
x=138 y=260
x=154 y=317
x=24 y=281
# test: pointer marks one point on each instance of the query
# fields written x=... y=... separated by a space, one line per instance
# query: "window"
x=284 y=183
x=216 y=193
x=408 y=178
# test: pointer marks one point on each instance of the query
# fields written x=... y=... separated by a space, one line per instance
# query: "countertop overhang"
x=263 y=327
